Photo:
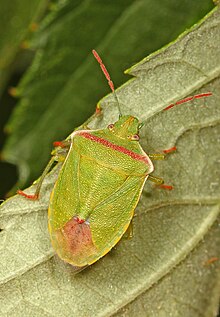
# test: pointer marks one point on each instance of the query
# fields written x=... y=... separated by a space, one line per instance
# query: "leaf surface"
x=165 y=269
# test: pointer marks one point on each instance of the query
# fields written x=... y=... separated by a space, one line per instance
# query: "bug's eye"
x=135 y=137
x=111 y=126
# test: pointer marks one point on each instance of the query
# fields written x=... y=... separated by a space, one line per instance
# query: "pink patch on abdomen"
x=74 y=242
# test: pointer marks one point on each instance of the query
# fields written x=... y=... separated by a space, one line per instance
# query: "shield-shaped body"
x=99 y=185
x=97 y=190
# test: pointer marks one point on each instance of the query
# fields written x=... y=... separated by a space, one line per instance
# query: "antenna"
x=206 y=94
x=107 y=76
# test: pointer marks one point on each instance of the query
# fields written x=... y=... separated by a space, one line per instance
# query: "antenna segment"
x=107 y=76
x=207 y=94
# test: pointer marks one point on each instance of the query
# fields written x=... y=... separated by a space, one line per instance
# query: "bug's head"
x=127 y=127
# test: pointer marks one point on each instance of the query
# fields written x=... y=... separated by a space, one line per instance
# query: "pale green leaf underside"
x=160 y=271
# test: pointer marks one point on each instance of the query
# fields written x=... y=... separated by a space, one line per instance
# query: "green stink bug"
x=98 y=187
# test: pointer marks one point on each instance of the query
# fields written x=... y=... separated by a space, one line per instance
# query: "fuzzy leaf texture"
x=166 y=269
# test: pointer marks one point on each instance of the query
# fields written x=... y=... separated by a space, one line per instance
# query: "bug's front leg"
x=58 y=155
x=161 y=156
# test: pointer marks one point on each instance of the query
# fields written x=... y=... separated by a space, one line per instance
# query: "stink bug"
x=98 y=187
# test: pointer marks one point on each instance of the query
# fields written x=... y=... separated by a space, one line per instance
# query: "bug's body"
x=96 y=192
x=99 y=185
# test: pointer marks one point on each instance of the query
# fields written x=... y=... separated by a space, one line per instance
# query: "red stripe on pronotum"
x=207 y=94
x=115 y=147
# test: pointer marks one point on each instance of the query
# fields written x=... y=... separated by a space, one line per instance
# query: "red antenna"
x=111 y=85
x=107 y=76
x=207 y=94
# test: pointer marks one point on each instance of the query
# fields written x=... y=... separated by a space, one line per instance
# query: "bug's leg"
x=155 y=179
x=170 y=150
x=156 y=156
x=164 y=186
x=61 y=149
x=159 y=182
x=211 y=261
x=39 y=184
x=62 y=144
x=160 y=156
x=58 y=154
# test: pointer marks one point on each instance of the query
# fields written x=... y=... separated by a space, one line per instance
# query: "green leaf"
x=177 y=292
x=16 y=17
x=63 y=85
x=166 y=269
